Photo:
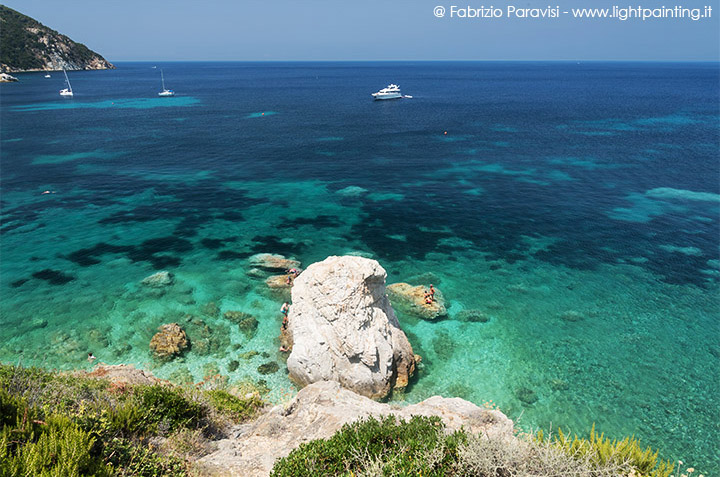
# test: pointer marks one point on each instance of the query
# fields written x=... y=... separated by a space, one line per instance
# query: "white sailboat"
x=165 y=92
x=67 y=92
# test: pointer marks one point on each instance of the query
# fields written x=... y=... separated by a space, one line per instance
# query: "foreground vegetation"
x=55 y=424
x=62 y=424
x=421 y=447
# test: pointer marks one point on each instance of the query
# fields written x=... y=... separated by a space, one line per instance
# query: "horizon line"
x=423 y=61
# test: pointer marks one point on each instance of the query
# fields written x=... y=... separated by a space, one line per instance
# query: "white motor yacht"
x=391 y=92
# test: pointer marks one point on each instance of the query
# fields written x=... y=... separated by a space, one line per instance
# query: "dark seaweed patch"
x=54 y=277
x=165 y=244
x=232 y=255
x=321 y=221
x=212 y=244
x=90 y=256
x=19 y=283
x=159 y=252
x=265 y=243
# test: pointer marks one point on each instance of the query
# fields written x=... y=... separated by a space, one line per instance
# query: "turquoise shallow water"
x=582 y=226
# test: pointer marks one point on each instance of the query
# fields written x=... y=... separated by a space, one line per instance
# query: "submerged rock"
x=319 y=411
x=159 y=280
x=342 y=328
x=526 y=395
x=473 y=316
x=246 y=322
x=270 y=261
x=411 y=300
x=169 y=341
x=268 y=368
x=211 y=309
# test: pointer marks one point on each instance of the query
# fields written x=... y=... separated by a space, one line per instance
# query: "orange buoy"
x=446 y=133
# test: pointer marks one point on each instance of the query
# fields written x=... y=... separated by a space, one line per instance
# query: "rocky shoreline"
x=346 y=351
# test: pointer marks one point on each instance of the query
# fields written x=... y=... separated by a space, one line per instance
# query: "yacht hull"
x=379 y=97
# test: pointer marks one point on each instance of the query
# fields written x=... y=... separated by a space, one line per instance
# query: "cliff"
x=28 y=45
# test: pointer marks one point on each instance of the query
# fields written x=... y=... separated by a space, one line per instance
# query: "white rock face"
x=321 y=409
x=158 y=280
x=343 y=329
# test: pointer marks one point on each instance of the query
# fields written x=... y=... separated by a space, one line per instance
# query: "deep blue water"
x=576 y=205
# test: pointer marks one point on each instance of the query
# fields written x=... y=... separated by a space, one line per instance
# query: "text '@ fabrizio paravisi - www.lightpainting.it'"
x=553 y=12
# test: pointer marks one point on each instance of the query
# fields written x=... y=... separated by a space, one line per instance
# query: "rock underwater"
x=159 y=280
x=342 y=328
x=171 y=340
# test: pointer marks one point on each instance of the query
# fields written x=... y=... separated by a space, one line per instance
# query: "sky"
x=330 y=30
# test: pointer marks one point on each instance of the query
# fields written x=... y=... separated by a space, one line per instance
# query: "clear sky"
x=123 y=30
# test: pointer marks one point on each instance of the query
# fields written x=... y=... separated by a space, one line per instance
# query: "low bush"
x=415 y=447
x=602 y=451
x=372 y=448
x=169 y=408
x=239 y=409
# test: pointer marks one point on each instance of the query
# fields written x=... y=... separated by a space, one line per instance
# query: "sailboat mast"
x=67 y=80
x=162 y=77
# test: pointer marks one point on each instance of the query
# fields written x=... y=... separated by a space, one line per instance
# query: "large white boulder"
x=342 y=328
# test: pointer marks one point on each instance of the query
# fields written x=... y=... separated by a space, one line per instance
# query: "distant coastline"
x=27 y=45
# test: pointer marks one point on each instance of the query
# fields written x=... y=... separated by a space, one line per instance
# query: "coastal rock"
x=169 y=341
x=6 y=78
x=124 y=374
x=159 y=280
x=270 y=261
x=411 y=300
x=278 y=281
x=342 y=328
x=319 y=411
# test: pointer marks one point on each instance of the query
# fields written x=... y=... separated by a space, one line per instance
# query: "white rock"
x=273 y=261
x=158 y=280
x=319 y=411
x=342 y=328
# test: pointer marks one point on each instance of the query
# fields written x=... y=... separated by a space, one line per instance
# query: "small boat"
x=391 y=92
x=67 y=92
x=47 y=75
x=165 y=92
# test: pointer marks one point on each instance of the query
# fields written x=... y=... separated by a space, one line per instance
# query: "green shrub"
x=415 y=447
x=601 y=451
x=233 y=406
x=170 y=407
x=133 y=459
x=59 y=448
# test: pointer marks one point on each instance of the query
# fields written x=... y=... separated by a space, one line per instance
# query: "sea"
x=567 y=211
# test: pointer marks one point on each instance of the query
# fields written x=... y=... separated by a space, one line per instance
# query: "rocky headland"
x=28 y=45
